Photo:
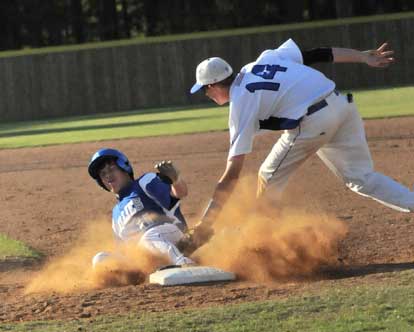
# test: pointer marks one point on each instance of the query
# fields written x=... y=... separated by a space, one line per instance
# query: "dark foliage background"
x=37 y=23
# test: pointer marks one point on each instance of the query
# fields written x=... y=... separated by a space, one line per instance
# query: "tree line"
x=38 y=23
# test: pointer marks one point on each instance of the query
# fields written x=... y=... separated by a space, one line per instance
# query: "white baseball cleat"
x=100 y=258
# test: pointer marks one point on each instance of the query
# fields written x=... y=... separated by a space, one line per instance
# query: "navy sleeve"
x=167 y=180
x=156 y=189
x=321 y=54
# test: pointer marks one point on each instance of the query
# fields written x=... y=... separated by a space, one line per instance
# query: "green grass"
x=385 y=102
x=13 y=248
x=210 y=34
x=171 y=121
x=112 y=126
x=387 y=305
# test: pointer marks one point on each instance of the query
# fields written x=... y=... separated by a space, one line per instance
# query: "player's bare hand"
x=381 y=57
x=167 y=169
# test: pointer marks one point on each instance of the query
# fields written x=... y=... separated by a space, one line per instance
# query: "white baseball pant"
x=336 y=134
x=160 y=239
x=163 y=239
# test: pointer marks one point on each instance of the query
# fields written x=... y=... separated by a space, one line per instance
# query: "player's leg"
x=163 y=239
x=294 y=147
x=291 y=151
x=348 y=156
x=286 y=156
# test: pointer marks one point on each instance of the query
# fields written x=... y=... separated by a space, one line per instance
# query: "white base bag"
x=189 y=275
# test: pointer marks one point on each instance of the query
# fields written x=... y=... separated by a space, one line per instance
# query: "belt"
x=317 y=107
x=275 y=123
x=145 y=227
x=323 y=103
x=145 y=223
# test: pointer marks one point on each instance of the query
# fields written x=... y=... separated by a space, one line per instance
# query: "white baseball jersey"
x=273 y=92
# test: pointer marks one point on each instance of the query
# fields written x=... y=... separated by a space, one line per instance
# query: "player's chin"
x=220 y=102
x=113 y=188
x=116 y=189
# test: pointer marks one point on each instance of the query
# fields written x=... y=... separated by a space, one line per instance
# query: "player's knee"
x=100 y=258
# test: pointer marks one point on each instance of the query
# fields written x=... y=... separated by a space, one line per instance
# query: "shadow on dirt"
x=14 y=263
x=342 y=272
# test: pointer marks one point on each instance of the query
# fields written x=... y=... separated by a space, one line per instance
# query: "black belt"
x=275 y=123
x=323 y=103
x=316 y=107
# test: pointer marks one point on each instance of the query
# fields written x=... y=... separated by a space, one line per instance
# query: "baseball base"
x=189 y=275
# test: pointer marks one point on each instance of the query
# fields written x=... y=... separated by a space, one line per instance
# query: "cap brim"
x=196 y=87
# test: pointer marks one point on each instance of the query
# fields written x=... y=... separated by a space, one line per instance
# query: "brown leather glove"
x=186 y=245
x=166 y=169
x=195 y=238
x=202 y=233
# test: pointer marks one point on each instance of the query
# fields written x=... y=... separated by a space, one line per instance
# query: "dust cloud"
x=259 y=244
x=73 y=272
x=268 y=243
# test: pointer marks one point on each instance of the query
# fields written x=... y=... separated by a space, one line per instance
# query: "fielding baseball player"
x=148 y=208
x=279 y=91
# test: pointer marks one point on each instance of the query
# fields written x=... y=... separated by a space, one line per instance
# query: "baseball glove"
x=195 y=238
x=166 y=169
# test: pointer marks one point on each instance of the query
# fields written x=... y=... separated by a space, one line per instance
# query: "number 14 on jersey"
x=267 y=72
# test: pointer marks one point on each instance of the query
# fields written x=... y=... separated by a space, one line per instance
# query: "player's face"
x=217 y=93
x=113 y=178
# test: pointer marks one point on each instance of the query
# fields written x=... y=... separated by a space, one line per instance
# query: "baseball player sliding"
x=148 y=209
x=279 y=91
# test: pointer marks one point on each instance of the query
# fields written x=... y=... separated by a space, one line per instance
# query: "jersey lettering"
x=129 y=211
x=266 y=72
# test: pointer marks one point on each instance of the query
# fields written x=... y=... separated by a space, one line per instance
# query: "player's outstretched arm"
x=381 y=57
x=225 y=185
x=203 y=230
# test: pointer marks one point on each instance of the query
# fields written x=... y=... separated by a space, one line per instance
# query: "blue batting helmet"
x=103 y=155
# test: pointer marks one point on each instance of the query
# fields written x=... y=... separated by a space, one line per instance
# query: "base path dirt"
x=48 y=199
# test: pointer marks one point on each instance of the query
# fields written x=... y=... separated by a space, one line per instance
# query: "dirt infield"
x=48 y=200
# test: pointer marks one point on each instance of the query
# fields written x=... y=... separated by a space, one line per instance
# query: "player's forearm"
x=179 y=188
x=221 y=194
x=381 y=57
x=224 y=187
x=348 y=55
x=223 y=190
x=229 y=179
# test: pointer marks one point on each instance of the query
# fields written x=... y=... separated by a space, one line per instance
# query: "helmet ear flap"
x=124 y=164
